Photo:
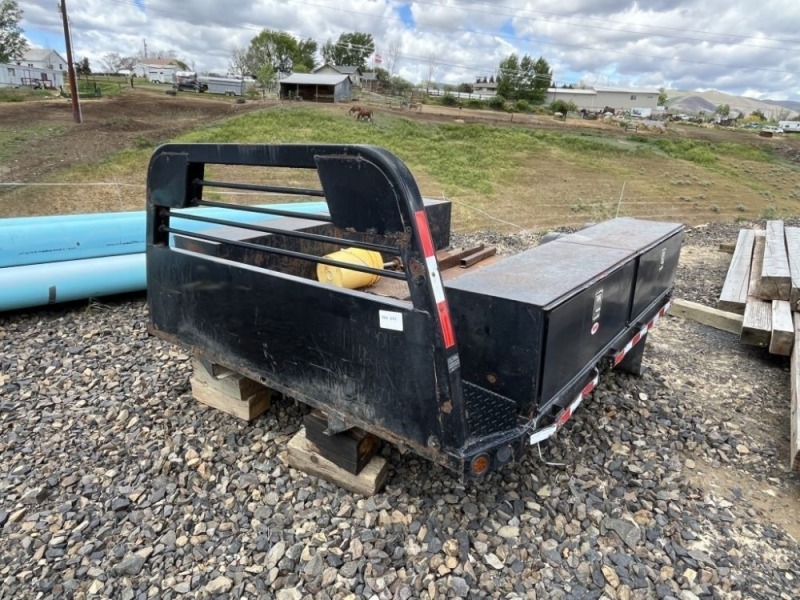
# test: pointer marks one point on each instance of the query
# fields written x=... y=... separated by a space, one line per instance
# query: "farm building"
x=317 y=87
x=626 y=98
x=354 y=72
x=586 y=98
x=14 y=75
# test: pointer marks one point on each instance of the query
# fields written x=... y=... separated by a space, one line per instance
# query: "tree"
x=392 y=55
x=351 y=49
x=525 y=79
x=723 y=110
x=662 y=97
x=431 y=70
x=465 y=87
x=82 y=68
x=757 y=114
x=266 y=77
x=111 y=62
x=238 y=64
x=280 y=51
x=12 y=44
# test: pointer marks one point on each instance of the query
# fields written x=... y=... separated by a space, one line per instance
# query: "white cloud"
x=721 y=44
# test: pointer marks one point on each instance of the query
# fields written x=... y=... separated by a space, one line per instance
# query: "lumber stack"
x=763 y=285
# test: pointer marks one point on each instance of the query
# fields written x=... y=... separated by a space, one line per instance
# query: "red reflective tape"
x=424 y=233
x=636 y=339
x=563 y=417
x=446 y=325
x=588 y=388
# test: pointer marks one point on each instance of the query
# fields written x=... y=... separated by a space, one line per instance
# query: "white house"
x=14 y=75
x=157 y=70
x=42 y=58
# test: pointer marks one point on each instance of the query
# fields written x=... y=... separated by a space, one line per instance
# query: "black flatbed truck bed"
x=466 y=368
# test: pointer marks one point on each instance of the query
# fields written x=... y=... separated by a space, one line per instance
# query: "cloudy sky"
x=737 y=46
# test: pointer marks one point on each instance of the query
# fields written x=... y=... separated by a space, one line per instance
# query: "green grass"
x=13 y=142
x=24 y=94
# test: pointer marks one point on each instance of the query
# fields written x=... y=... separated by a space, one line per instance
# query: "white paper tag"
x=391 y=320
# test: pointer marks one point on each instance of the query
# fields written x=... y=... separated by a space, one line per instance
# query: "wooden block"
x=758 y=260
x=793 y=254
x=734 y=291
x=782 y=328
x=712 y=317
x=727 y=247
x=757 y=323
x=303 y=456
x=351 y=449
x=242 y=407
x=225 y=380
x=776 y=282
x=794 y=442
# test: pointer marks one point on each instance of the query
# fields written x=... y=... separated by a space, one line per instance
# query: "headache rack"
x=463 y=366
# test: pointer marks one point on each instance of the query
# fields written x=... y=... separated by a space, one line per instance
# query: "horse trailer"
x=788 y=126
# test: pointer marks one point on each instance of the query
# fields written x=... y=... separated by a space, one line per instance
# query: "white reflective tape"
x=543 y=434
x=436 y=279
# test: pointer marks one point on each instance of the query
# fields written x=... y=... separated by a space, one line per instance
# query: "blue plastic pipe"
x=50 y=283
x=37 y=240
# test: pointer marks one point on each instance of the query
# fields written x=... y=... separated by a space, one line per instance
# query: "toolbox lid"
x=625 y=233
x=542 y=275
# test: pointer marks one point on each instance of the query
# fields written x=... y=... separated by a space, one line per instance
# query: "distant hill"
x=690 y=101
x=790 y=104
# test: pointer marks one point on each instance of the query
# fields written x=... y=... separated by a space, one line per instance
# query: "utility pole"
x=144 y=42
x=73 y=84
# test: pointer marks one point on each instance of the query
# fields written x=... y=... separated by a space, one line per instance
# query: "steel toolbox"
x=465 y=366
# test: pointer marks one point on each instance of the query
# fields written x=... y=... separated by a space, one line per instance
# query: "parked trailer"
x=467 y=367
x=788 y=126
x=226 y=86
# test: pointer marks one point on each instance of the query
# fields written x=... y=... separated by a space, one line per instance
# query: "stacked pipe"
x=46 y=260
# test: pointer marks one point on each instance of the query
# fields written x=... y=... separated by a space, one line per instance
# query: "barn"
x=626 y=98
x=317 y=87
x=582 y=98
x=353 y=71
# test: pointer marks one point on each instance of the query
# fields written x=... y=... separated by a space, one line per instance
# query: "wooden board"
x=794 y=441
x=303 y=456
x=712 y=317
x=793 y=253
x=755 y=267
x=776 y=282
x=757 y=323
x=727 y=247
x=782 y=328
x=228 y=391
x=734 y=291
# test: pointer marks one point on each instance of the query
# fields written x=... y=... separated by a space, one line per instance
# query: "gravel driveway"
x=115 y=483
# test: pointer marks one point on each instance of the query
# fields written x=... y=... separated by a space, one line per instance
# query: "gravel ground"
x=115 y=483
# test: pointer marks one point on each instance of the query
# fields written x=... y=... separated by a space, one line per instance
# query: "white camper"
x=788 y=126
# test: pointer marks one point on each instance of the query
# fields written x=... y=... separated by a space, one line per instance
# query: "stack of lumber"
x=763 y=284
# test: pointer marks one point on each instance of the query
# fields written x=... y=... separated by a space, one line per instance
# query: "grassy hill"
x=503 y=177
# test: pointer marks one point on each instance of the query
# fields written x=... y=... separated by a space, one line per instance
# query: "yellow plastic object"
x=348 y=278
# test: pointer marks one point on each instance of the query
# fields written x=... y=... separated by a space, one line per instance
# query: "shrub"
x=473 y=103
x=497 y=102
x=449 y=100
x=562 y=106
x=522 y=106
